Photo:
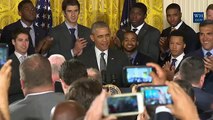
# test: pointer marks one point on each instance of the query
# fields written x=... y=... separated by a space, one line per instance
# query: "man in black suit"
x=173 y=59
x=148 y=36
x=129 y=45
x=192 y=69
x=20 y=40
x=206 y=52
x=70 y=38
x=173 y=15
x=27 y=12
x=110 y=62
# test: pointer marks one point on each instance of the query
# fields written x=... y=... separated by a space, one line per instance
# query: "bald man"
x=56 y=60
x=69 y=110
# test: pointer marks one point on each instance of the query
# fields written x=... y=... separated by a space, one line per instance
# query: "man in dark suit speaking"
x=70 y=38
x=110 y=62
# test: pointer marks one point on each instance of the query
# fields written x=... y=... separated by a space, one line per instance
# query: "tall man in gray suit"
x=37 y=86
x=110 y=62
x=70 y=38
x=148 y=36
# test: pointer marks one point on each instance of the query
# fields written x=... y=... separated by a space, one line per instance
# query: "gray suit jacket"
x=148 y=38
x=115 y=62
x=35 y=107
x=62 y=39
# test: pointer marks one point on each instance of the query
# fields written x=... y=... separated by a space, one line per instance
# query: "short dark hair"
x=205 y=23
x=140 y=6
x=84 y=91
x=66 y=3
x=35 y=71
x=187 y=87
x=22 y=3
x=99 y=24
x=191 y=69
x=20 y=31
x=179 y=33
x=173 y=6
x=72 y=70
x=210 y=7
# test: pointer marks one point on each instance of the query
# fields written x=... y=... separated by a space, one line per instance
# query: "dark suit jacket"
x=35 y=107
x=6 y=36
x=148 y=38
x=15 y=92
x=62 y=39
x=115 y=63
x=191 y=37
x=142 y=59
x=208 y=83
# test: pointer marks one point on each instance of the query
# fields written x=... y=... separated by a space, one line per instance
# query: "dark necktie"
x=28 y=29
x=173 y=62
x=73 y=38
x=102 y=62
x=131 y=60
x=134 y=29
x=208 y=54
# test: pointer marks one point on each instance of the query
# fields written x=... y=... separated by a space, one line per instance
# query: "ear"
x=202 y=79
x=13 y=42
x=184 y=46
x=19 y=13
x=92 y=37
x=64 y=86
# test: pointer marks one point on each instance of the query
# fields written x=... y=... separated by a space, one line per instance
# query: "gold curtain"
x=109 y=11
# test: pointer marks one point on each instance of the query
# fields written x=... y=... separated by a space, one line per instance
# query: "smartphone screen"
x=3 y=54
x=156 y=95
x=138 y=74
x=124 y=104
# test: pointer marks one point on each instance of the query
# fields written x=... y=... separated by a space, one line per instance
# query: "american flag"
x=125 y=14
x=43 y=14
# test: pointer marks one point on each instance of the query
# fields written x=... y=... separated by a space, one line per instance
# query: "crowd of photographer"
x=141 y=76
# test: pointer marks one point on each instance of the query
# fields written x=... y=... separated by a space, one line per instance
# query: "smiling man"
x=108 y=61
x=70 y=38
x=148 y=36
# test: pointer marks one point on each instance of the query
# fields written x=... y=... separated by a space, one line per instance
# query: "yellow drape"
x=109 y=11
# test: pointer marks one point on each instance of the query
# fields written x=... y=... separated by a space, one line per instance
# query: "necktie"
x=31 y=36
x=73 y=38
x=134 y=29
x=102 y=62
x=131 y=60
x=208 y=54
x=28 y=29
x=22 y=58
x=172 y=29
x=173 y=62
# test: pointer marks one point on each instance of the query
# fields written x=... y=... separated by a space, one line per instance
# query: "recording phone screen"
x=3 y=54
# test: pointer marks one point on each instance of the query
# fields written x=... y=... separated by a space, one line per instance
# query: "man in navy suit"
x=70 y=38
x=20 y=40
x=129 y=45
x=27 y=12
x=173 y=15
x=110 y=62
x=206 y=52
x=148 y=36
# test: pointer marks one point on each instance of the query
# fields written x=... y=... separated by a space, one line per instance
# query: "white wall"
x=187 y=8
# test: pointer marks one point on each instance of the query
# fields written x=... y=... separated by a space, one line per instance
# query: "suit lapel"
x=110 y=60
x=66 y=34
x=142 y=33
x=93 y=58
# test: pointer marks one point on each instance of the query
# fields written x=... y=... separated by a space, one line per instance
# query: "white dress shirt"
x=98 y=56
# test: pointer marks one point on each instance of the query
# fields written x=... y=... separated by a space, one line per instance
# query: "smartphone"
x=137 y=74
x=155 y=95
x=3 y=53
x=124 y=104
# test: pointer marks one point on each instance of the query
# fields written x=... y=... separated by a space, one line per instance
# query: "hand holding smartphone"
x=124 y=104
x=3 y=54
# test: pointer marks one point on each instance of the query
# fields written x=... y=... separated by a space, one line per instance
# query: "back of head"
x=69 y=110
x=84 y=91
x=187 y=87
x=72 y=70
x=22 y=3
x=56 y=60
x=35 y=71
x=173 y=6
x=141 y=6
x=191 y=69
x=98 y=24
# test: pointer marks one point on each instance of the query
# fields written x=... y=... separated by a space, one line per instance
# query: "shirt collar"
x=179 y=58
x=138 y=28
x=98 y=52
x=18 y=55
x=205 y=51
x=68 y=26
x=133 y=55
x=24 y=25
x=178 y=25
